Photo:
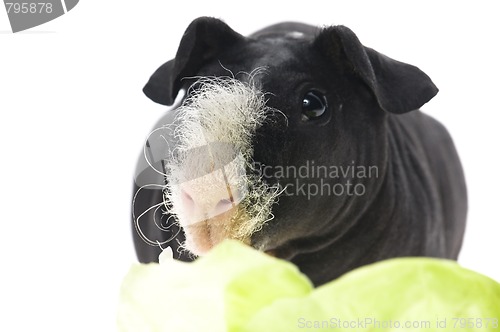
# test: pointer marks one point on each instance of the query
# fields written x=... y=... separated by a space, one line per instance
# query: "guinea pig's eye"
x=313 y=105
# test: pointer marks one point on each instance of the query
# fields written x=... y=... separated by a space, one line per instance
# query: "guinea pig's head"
x=275 y=131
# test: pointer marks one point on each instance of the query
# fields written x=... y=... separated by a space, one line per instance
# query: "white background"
x=73 y=119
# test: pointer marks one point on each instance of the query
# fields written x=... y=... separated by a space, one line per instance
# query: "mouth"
x=204 y=235
x=211 y=209
x=199 y=238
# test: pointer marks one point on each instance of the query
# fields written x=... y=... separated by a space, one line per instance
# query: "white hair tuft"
x=230 y=111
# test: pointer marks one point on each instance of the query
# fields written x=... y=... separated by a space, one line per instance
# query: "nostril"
x=224 y=202
x=186 y=198
x=205 y=208
x=224 y=205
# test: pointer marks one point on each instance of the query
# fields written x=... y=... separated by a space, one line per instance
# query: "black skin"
x=415 y=207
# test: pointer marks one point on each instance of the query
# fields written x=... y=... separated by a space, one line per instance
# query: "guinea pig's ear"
x=398 y=87
x=203 y=40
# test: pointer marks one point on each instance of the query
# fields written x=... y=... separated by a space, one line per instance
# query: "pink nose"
x=206 y=209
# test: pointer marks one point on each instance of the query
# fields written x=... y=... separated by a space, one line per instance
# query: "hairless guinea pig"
x=300 y=142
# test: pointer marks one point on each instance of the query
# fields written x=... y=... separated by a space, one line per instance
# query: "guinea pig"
x=300 y=142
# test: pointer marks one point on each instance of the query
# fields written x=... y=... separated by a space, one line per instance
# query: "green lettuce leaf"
x=178 y=296
x=404 y=294
x=238 y=289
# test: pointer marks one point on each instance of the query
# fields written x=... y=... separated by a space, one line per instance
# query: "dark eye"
x=313 y=105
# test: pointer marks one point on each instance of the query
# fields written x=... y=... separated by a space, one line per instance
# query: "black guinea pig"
x=300 y=142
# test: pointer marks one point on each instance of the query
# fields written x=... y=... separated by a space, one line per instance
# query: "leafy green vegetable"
x=178 y=296
x=238 y=289
x=405 y=294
